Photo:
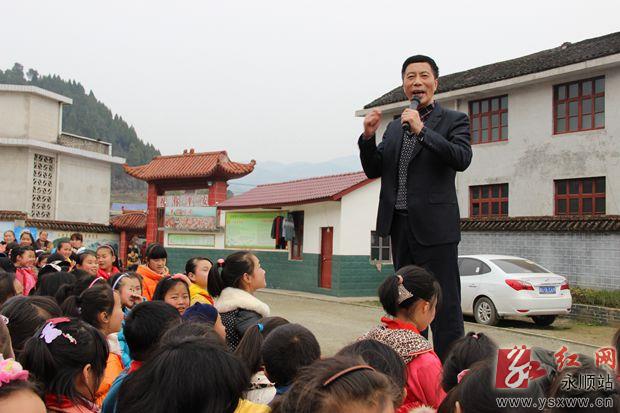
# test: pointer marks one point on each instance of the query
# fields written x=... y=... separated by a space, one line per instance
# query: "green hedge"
x=602 y=298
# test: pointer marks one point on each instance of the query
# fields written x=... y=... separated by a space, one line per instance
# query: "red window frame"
x=581 y=100
x=586 y=196
x=485 y=111
x=487 y=197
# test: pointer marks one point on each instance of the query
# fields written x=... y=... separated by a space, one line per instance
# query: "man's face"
x=43 y=236
x=75 y=243
x=420 y=81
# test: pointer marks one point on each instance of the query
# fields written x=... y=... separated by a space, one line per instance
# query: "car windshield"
x=516 y=266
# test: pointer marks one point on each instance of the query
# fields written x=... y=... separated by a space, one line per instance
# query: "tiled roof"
x=69 y=226
x=302 y=191
x=12 y=215
x=208 y=165
x=563 y=55
x=596 y=223
x=135 y=220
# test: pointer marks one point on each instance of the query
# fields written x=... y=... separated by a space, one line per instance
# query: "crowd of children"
x=80 y=335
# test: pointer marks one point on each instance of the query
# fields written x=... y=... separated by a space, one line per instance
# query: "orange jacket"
x=149 y=281
x=113 y=368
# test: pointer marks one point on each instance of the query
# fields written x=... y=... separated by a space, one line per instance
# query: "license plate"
x=547 y=290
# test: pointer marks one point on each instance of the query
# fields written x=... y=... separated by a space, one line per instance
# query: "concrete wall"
x=358 y=218
x=589 y=260
x=83 y=190
x=12 y=168
x=533 y=157
x=24 y=115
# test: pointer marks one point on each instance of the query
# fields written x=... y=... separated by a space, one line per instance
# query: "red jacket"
x=423 y=366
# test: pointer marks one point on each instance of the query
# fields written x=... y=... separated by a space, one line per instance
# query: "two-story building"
x=51 y=179
x=544 y=182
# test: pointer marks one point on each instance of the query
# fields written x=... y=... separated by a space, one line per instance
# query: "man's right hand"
x=372 y=120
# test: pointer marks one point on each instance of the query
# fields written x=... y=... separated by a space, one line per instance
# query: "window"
x=515 y=266
x=579 y=105
x=297 y=244
x=585 y=196
x=43 y=187
x=471 y=266
x=488 y=200
x=380 y=249
x=489 y=120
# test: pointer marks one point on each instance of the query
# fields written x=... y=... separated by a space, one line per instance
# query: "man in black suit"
x=418 y=206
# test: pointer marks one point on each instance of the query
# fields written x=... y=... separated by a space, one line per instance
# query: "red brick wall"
x=217 y=192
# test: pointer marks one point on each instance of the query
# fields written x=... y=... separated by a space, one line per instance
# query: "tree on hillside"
x=91 y=118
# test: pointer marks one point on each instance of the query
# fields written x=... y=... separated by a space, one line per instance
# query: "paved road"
x=336 y=323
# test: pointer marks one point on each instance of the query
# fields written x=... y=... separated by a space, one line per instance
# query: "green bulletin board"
x=250 y=230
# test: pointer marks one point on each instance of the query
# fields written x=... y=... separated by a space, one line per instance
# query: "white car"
x=495 y=286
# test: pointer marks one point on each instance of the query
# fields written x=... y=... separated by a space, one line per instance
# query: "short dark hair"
x=286 y=350
x=382 y=358
x=57 y=364
x=145 y=325
x=18 y=251
x=156 y=252
x=420 y=58
x=463 y=353
x=7 y=286
x=184 y=360
x=84 y=254
x=26 y=314
x=188 y=329
x=50 y=283
x=76 y=236
x=166 y=284
x=214 y=281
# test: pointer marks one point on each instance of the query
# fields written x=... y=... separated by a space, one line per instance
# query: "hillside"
x=91 y=118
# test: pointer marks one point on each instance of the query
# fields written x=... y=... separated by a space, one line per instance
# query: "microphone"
x=415 y=102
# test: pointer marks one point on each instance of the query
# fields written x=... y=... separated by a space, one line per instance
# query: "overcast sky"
x=272 y=80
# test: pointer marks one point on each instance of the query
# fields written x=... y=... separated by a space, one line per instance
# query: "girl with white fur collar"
x=241 y=277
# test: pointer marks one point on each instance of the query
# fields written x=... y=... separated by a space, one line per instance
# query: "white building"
x=47 y=173
x=544 y=181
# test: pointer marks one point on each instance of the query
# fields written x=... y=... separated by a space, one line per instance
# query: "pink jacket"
x=423 y=366
x=27 y=278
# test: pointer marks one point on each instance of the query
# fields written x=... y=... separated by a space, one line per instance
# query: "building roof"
x=36 y=91
x=122 y=206
x=134 y=220
x=564 y=55
x=12 y=215
x=302 y=191
x=596 y=223
x=69 y=226
x=205 y=165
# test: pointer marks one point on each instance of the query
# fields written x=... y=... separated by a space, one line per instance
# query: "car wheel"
x=485 y=312
x=544 y=320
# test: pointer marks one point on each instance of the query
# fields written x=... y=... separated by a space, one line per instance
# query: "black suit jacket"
x=431 y=194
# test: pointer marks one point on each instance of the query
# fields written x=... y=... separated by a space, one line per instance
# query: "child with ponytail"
x=203 y=274
x=410 y=299
x=68 y=357
x=100 y=307
x=261 y=390
x=241 y=277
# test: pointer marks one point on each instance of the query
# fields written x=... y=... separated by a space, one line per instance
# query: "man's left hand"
x=412 y=117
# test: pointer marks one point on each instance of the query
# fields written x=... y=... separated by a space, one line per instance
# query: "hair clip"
x=123 y=275
x=345 y=372
x=51 y=333
x=11 y=370
x=403 y=294
x=475 y=335
x=461 y=375
x=261 y=327
x=4 y=319
x=220 y=262
x=95 y=281
x=400 y=279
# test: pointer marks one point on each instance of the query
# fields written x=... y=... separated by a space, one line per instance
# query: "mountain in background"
x=91 y=118
x=270 y=172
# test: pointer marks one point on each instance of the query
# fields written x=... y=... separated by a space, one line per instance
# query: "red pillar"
x=151 y=214
x=122 y=248
x=217 y=192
